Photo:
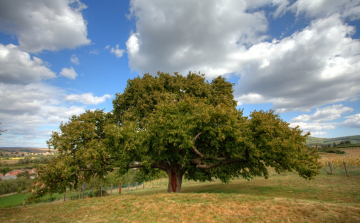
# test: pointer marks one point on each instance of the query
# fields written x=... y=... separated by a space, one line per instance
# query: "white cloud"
x=30 y=112
x=107 y=47
x=192 y=35
x=316 y=66
x=116 y=51
x=43 y=24
x=87 y=98
x=318 y=133
x=323 y=8
x=69 y=73
x=74 y=59
x=324 y=114
x=312 y=127
x=352 y=121
x=17 y=67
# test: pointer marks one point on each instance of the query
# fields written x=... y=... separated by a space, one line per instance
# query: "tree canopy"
x=182 y=125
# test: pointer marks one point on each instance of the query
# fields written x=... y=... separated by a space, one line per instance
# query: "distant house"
x=14 y=172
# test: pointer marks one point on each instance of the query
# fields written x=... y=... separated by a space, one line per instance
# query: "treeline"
x=18 y=185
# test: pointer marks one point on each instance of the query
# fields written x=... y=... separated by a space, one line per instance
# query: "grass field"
x=281 y=198
x=328 y=198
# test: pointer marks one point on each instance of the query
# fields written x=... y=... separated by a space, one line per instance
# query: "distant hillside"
x=319 y=141
x=24 y=149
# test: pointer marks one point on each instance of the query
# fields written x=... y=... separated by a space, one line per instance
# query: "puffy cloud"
x=313 y=67
x=116 y=51
x=324 y=114
x=352 y=121
x=347 y=8
x=69 y=73
x=74 y=59
x=192 y=35
x=87 y=98
x=316 y=66
x=44 y=24
x=17 y=67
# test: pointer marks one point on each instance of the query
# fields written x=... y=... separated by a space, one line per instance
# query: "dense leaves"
x=184 y=126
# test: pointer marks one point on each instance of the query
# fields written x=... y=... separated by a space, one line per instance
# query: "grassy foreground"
x=282 y=198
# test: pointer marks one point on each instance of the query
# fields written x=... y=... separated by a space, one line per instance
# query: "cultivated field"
x=281 y=198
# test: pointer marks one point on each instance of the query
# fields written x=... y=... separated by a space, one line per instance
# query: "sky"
x=59 y=58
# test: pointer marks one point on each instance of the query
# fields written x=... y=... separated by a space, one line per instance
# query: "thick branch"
x=197 y=152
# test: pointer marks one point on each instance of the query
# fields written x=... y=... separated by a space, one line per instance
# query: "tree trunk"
x=175 y=181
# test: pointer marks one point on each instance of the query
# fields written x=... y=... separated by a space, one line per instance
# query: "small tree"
x=184 y=126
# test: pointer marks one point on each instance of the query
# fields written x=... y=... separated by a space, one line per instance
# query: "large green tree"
x=182 y=125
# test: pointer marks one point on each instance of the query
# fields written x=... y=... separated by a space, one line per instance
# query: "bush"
x=337 y=151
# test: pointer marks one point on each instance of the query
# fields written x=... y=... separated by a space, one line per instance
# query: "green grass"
x=17 y=199
x=282 y=198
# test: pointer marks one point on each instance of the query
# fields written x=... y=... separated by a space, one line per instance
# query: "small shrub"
x=337 y=151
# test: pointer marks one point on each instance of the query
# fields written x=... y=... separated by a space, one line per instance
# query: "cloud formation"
x=87 y=98
x=319 y=120
x=352 y=121
x=43 y=24
x=74 y=59
x=116 y=51
x=31 y=112
x=18 y=67
x=324 y=114
x=69 y=73
x=315 y=66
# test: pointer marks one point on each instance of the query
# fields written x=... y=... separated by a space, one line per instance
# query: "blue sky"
x=61 y=57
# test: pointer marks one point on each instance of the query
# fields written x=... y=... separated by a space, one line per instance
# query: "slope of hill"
x=277 y=199
x=315 y=140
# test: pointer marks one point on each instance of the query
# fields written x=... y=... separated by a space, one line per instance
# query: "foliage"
x=10 y=186
x=184 y=126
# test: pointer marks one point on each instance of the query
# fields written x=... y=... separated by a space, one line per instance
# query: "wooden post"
x=84 y=193
x=347 y=174
x=64 y=197
x=331 y=172
x=100 y=191
x=120 y=185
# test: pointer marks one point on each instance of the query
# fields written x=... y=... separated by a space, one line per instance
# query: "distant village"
x=23 y=154
x=6 y=156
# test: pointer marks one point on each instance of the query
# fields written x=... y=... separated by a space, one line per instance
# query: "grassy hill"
x=281 y=198
x=319 y=141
